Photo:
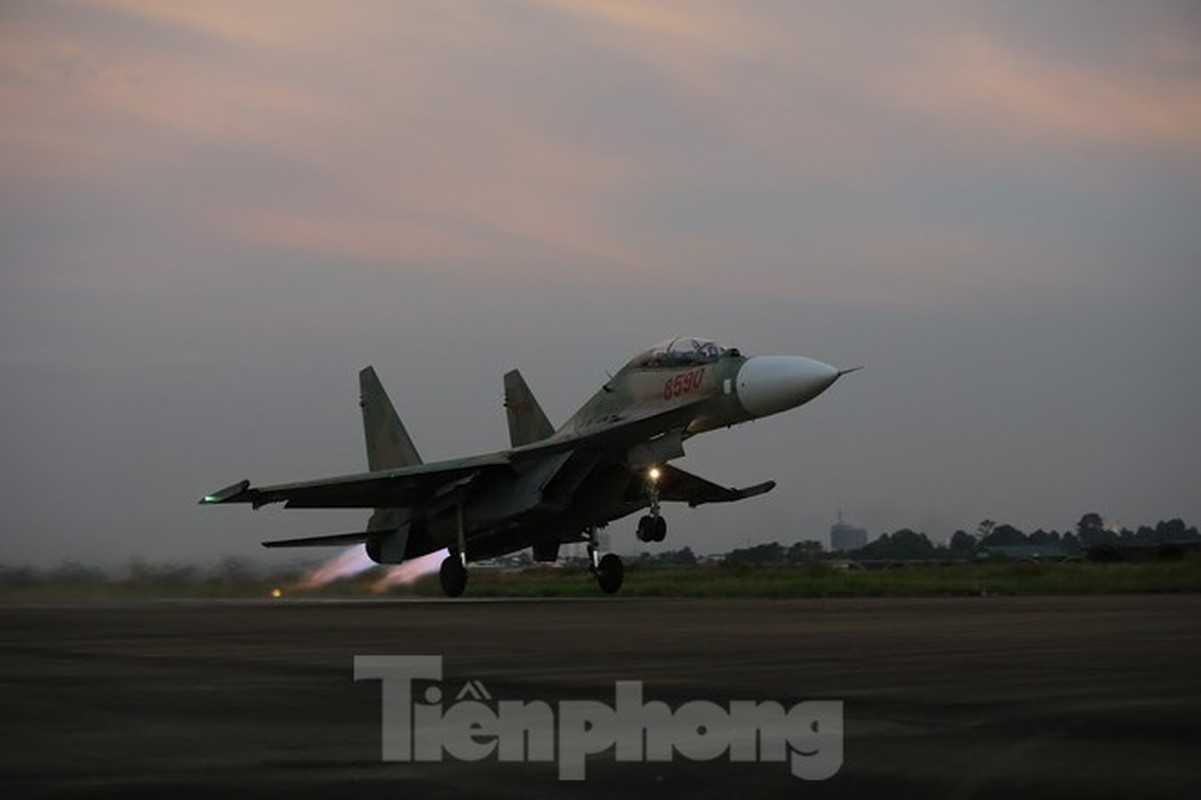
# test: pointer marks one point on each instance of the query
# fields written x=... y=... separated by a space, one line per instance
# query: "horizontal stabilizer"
x=332 y=540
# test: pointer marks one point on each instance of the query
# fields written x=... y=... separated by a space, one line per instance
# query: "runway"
x=965 y=697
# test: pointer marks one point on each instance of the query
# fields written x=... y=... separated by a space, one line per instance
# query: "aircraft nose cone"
x=771 y=384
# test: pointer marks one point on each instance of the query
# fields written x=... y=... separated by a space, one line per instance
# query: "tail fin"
x=388 y=443
x=527 y=422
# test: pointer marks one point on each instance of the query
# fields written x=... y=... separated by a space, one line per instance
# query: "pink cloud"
x=982 y=83
x=418 y=145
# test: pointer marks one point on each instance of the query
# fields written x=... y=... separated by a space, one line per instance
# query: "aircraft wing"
x=680 y=486
x=403 y=487
x=407 y=487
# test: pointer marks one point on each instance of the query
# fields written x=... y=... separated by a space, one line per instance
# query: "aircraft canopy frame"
x=682 y=351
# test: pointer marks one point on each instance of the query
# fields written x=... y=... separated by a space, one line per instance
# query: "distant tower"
x=845 y=537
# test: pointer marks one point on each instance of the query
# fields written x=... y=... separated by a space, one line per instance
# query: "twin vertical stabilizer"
x=388 y=443
x=388 y=446
x=527 y=421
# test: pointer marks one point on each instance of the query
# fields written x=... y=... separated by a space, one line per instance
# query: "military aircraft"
x=609 y=460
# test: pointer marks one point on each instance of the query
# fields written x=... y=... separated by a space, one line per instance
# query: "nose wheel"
x=652 y=528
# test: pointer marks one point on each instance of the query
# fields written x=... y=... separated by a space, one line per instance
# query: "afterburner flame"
x=350 y=561
x=411 y=570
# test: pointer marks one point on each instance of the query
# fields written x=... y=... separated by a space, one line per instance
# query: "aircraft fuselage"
x=561 y=497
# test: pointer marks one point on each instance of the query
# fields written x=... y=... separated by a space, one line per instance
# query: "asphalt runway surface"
x=964 y=697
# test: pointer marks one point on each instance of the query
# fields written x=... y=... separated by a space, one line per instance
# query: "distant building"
x=844 y=537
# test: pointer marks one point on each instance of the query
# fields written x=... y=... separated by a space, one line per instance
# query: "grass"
x=817 y=579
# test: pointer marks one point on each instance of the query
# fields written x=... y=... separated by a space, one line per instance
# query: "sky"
x=213 y=214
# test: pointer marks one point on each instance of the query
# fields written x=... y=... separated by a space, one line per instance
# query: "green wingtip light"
x=228 y=493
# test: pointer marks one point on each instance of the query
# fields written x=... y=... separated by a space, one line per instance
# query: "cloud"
x=988 y=87
x=814 y=79
x=437 y=136
x=451 y=179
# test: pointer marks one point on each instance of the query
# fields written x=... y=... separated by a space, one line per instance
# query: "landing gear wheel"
x=609 y=573
x=646 y=529
x=453 y=576
x=652 y=529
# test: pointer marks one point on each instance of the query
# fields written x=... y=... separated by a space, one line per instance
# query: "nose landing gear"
x=652 y=527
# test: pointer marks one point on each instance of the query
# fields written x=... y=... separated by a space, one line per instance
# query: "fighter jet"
x=553 y=486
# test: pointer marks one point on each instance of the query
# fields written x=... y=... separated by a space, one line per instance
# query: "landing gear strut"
x=453 y=574
x=652 y=527
x=608 y=570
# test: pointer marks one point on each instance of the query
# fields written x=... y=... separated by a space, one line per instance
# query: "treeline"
x=1090 y=535
x=227 y=572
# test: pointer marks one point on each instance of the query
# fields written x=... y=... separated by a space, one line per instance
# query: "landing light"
x=277 y=592
x=654 y=473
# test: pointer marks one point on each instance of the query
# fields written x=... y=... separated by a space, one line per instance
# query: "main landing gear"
x=453 y=575
x=608 y=570
x=652 y=527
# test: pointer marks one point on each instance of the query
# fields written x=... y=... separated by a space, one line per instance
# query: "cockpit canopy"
x=683 y=351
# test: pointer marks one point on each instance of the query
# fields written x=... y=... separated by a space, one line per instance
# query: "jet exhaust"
x=410 y=571
x=354 y=560
x=348 y=563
